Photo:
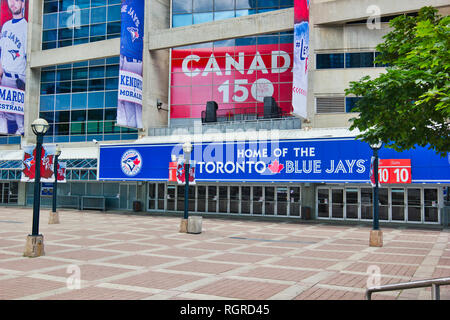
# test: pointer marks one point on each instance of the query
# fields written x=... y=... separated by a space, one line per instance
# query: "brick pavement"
x=125 y=257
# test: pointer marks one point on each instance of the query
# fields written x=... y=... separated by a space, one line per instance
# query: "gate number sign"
x=394 y=171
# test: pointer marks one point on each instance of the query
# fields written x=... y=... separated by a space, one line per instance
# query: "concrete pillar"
x=32 y=75
x=156 y=67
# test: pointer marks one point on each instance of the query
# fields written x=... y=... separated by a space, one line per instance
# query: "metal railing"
x=433 y=283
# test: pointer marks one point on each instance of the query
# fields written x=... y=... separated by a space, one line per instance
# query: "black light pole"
x=187 y=149
x=39 y=127
x=55 y=184
x=376 y=236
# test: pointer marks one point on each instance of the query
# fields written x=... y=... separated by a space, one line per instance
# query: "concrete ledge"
x=73 y=54
x=267 y=22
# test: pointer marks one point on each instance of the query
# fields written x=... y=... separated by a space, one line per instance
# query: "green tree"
x=409 y=104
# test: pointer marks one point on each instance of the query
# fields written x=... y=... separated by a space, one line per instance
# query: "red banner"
x=235 y=77
x=29 y=164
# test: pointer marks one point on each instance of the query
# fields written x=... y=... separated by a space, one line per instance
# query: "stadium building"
x=253 y=156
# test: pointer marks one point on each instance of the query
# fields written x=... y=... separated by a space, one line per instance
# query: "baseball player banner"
x=129 y=109
x=13 y=61
x=29 y=163
x=301 y=52
x=181 y=172
x=62 y=166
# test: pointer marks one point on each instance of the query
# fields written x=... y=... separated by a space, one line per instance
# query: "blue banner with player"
x=13 y=64
x=129 y=108
x=318 y=160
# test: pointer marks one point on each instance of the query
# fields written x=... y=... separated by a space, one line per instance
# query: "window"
x=72 y=22
x=347 y=60
x=79 y=100
x=330 y=61
x=187 y=12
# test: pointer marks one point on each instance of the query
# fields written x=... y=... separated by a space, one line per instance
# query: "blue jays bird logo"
x=134 y=33
x=131 y=163
x=15 y=54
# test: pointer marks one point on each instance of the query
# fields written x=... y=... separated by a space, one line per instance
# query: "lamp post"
x=54 y=216
x=35 y=242
x=187 y=149
x=376 y=236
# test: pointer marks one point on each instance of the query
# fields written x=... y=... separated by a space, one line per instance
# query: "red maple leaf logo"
x=275 y=167
x=136 y=161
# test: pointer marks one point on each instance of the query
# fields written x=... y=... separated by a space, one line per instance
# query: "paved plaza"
x=130 y=257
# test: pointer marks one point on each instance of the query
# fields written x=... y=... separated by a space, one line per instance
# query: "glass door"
x=13 y=192
x=245 y=202
x=257 y=200
x=337 y=208
x=269 y=200
x=171 y=196
x=223 y=199
x=201 y=198
x=414 y=205
x=366 y=203
x=383 y=200
x=398 y=204
x=234 y=199
x=161 y=195
x=282 y=201
x=294 y=201
x=431 y=205
x=323 y=203
x=180 y=198
x=152 y=196
x=351 y=203
x=192 y=196
x=212 y=198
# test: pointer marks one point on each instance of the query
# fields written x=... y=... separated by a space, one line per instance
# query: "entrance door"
x=398 y=204
x=245 y=202
x=414 y=205
x=294 y=201
x=212 y=198
x=257 y=200
x=201 y=198
x=152 y=196
x=223 y=199
x=282 y=201
x=351 y=201
x=234 y=199
x=161 y=195
x=383 y=200
x=269 y=200
x=323 y=200
x=337 y=208
x=431 y=205
x=171 y=196
x=366 y=203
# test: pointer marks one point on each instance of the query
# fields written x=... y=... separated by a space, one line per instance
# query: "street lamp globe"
x=58 y=151
x=39 y=126
x=376 y=145
x=187 y=147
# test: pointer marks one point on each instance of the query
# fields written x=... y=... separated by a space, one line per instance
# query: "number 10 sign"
x=394 y=171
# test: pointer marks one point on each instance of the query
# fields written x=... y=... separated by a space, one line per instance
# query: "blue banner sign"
x=318 y=160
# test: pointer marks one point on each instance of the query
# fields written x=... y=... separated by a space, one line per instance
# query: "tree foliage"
x=409 y=104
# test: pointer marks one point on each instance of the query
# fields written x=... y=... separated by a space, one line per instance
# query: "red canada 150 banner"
x=236 y=77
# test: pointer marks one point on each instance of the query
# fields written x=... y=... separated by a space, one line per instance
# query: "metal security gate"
x=280 y=201
x=396 y=204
